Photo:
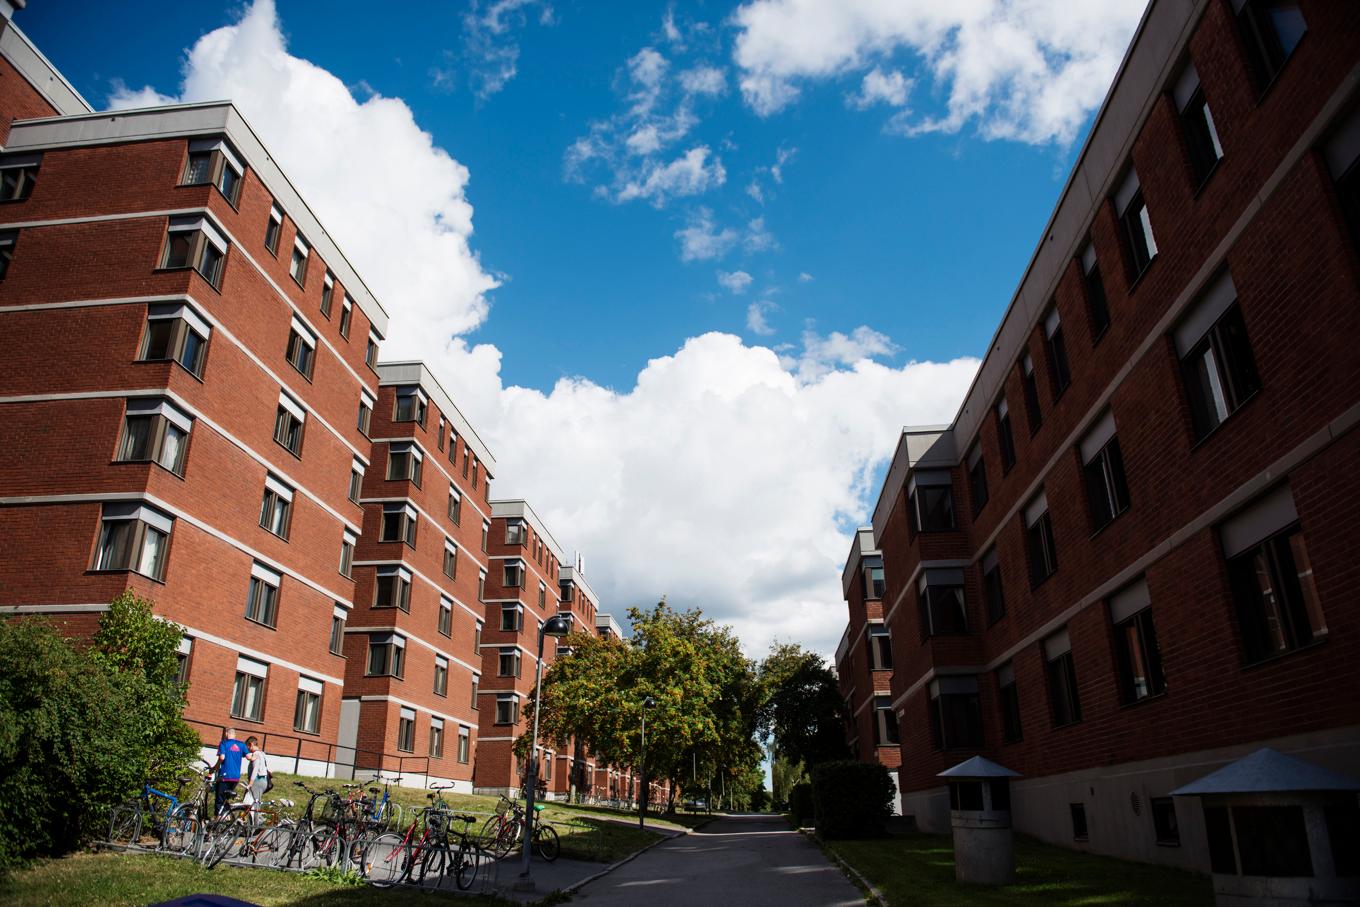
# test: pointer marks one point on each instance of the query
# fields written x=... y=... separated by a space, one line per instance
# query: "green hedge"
x=800 y=803
x=851 y=799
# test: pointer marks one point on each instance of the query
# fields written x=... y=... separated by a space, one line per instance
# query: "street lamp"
x=558 y=625
x=642 y=768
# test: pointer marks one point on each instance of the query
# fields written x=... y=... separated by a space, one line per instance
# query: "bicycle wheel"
x=327 y=847
x=391 y=815
x=466 y=862
x=300 y=850
x=228 y=841
x=181 y=829
x=125 y=824
x=431 y=869
x=265 y=845
x=547 y=843
x=387 y=859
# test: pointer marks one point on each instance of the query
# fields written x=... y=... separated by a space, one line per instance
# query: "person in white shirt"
x=258 y=775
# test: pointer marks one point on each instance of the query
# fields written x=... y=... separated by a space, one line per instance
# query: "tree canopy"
x=802 y=711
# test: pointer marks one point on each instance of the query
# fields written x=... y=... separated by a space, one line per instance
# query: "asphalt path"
x=740 y=860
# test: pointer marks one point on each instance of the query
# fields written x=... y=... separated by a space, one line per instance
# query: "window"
x=1272 y=577
x=346 y=316
x=1216 y=360
x=955 y=713
x=1043 y=553
x=874 y=582
x=880 y=648
x=399 y=523
x=371 y=355
x=445 y=617
x=411 y=405
x=1097 y=306
x=193 y=242
x=885 y=722
x=476 y=470
x=1107 y=492
x=301 y=351
x=437 y=737
x=1272 y=29
x=486 y=533
x=175 y=332
x=1078 y=813
x=406 y=730
x=977 y=477
x=1005 y=438
x=481 y=585
x=450 y=559
x=273 y=229
x=297 y=266
x=338 y=618
x=441 y=675
x=453 y=447
x=365 y=420
x=508 y=663
x=464 y=745
x=566 y=593
x=507 y=710
x=307 y=713
x=1009 y=697
x=440 y=437
x=1197 y=124
x=1270 y=840
x=7 y=242
x=476 y=684
x=214 y=161
x=356 y=480
x=262 y=598
x=477 y=636
x=930 y=501
x=993 y=595
x=17 y=175
x=1030 y=384
x=467 y=460
x=455 y=506
x=515 y=532
x=133 y=537
x=182 y=654
x=276 y=510
x=157 y=431
x=1055 y=351
x=942 y=605
x=1342 y=152
x=542 y=596
x=514 y=575
x=1135 y=224
x=1062 y=679
x=327 y=293
x=247 y=698
x=392 y=588
x=386 y=654
x=512 y=618
x=404 y=461
x=1164 y=823
x=289 y=423
x=1138 y=658
x=347 y=542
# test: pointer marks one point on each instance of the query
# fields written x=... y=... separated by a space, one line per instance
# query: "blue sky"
x=688 y=266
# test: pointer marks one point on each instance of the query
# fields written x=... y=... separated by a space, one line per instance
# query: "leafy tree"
x=803 y=711
x=785 y=774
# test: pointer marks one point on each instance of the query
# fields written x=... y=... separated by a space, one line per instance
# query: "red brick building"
x=412 y=668
x=574 y=773
x=201 y=452
x=1129 y=559
x=521 y=592
x=864 y=658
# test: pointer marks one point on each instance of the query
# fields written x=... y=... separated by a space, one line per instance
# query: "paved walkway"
x=746 y=860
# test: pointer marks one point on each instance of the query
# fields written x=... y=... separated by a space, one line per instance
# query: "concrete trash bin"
x=980 y=808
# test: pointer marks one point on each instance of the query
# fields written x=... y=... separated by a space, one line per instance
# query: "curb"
x=875 y=895
x=670 y=835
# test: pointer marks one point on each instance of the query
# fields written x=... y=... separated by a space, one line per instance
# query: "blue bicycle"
x=155 y=812
x=385 y=812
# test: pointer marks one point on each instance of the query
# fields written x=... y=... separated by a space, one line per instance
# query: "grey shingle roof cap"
x=977 y=767
x=1267 y=771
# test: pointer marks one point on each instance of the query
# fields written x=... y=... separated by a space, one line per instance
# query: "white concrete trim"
x=53 y=609
x=405 y=703
x=412 y=637
x=256 y=654
x=440 y=526
x=414 y=572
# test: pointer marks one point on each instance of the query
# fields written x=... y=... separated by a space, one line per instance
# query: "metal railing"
x=338 y=760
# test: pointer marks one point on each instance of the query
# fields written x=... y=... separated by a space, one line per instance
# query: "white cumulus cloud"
x=702 y=240
x=734 y=281
x=692 y=173
x=756 y=322
x=490 y=50
x=879 y=87
x=1028 y=70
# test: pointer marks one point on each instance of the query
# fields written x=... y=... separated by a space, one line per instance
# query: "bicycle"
x=156 y=807
x=243 y=831
x=442 y=859
x=501 y=834
x=184 y=826
x=300 y=850
x=386 y=812
x=392 y=858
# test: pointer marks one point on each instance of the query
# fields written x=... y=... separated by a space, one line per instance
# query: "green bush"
x=851 y=799
x=800 y=803
x=81 y=728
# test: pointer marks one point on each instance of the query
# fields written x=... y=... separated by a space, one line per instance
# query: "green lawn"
x=918 y=869
x=110 y=879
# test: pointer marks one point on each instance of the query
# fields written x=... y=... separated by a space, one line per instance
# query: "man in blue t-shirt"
x=230 y=752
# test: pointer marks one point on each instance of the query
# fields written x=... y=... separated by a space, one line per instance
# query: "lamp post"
x=642 y=769
x=558 y=625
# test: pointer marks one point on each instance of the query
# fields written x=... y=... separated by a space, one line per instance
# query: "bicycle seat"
x=299 y=784
x=539 y=807
x=467 y=819
x=429 y=796
x=374 y=790
x=185 y=779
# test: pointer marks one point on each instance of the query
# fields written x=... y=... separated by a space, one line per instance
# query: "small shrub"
x=336 y=875
x=851 y=799
x=800 y=803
